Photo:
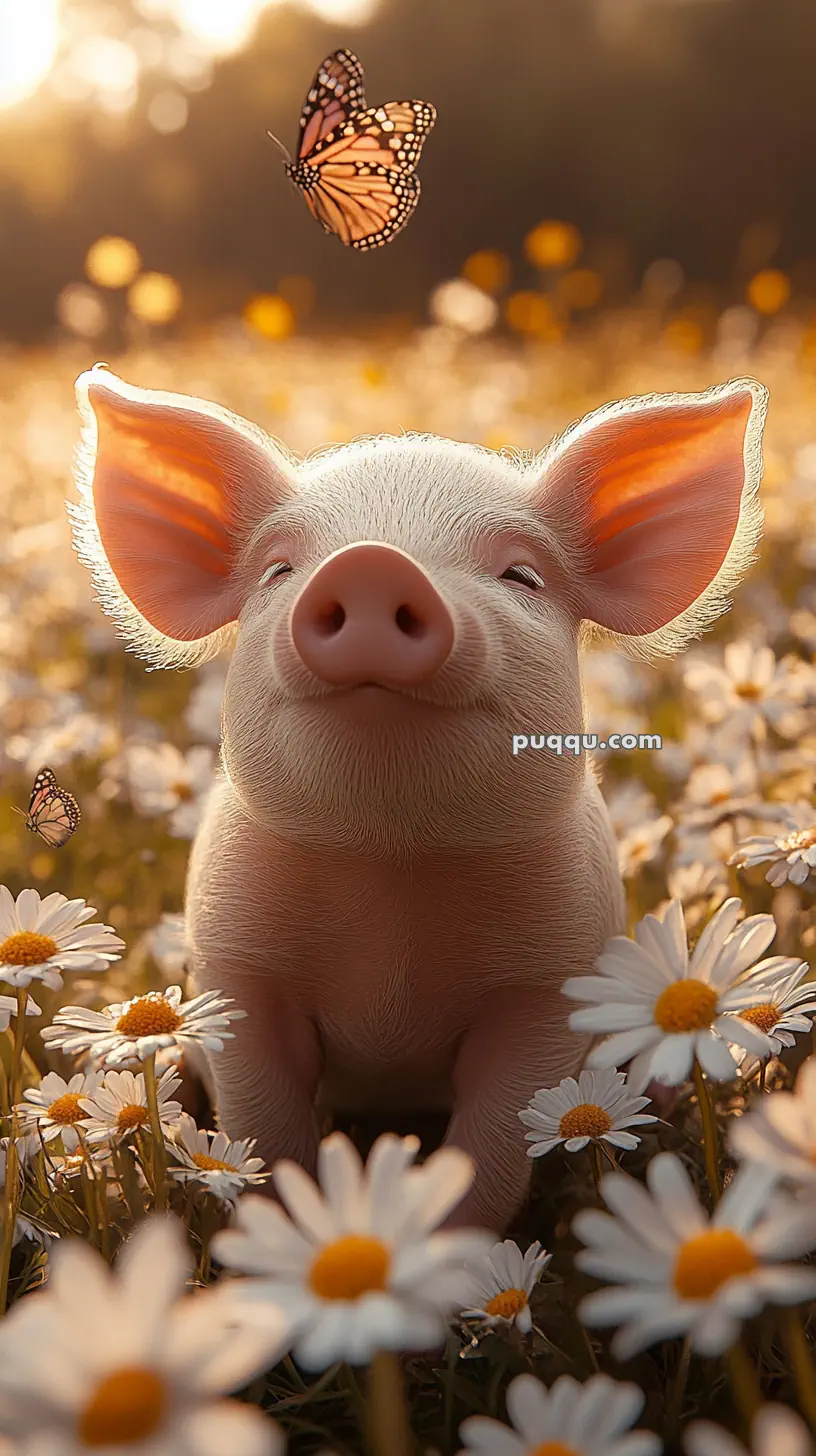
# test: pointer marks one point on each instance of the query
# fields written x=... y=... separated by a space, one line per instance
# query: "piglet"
x=391 y=893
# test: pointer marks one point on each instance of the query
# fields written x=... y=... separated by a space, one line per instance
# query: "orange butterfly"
x=355 y=165
x=52 y=812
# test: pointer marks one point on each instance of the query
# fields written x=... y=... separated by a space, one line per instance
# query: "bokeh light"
x=270 y=315
x=82 y=310
x=532 y=313
x=112 y=262
x=488 y=269
x=155 y=298
x=461 y=305
x=45 y=41
x=769 y=290
x=553 y=244
x=168 y=111
x=29 y=40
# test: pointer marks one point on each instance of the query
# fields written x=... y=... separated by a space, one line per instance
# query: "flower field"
x=658 y=1292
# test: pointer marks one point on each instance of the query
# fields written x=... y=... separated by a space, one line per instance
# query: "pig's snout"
x=370 y=614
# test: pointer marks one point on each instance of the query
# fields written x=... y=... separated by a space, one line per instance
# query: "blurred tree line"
x=658 y=128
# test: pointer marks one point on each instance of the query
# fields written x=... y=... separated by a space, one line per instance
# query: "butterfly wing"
x=44 y=785
x=337 y=90
x=57 y=819
x=52 y=812
x=385 y=136
x=364 y=209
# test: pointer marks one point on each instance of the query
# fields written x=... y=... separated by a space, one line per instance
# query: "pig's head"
x=406 y=605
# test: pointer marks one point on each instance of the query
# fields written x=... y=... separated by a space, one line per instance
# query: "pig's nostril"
x=409 y=623
x=330 y=620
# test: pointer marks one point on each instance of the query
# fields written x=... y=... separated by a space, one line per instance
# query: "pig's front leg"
x=518 y=1042
x=266 y=1079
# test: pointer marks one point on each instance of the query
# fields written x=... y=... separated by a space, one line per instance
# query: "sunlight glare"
x=29 y=38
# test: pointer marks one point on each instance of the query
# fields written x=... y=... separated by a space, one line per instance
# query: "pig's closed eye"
x=524 y=575
x=278 y=568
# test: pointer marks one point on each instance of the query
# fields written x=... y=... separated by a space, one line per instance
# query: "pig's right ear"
x=655 y=500
x=171 y=490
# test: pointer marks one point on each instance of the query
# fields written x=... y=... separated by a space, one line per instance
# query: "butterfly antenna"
x=281 y=146
x=21 y=812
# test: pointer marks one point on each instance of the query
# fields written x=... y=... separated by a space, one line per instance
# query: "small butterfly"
x=355 y=165
x=53 y=813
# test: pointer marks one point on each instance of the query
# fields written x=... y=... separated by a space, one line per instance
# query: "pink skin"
x=391 y=895
x=371 y=616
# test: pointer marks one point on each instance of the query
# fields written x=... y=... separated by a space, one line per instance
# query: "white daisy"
x=53 y=1109
x=776 y=1431
x=57 y=743
x=503 y=1280
x=683 y=1272
x=717 y=791
x=779 y=1131
x=791 y=853
x=163 y=780
x=118 y=1106
x=698 y=881
x=629 y=805
x=203 y=712
x=8 y=1008
x=596 y=1107
x=62 y=1168
x=665 y=1009
x=783 y=1007
x=569 y=1419
x=640 y=846
x=358 y=1267
x=223 y=1167
x=42 y=939
x=748 y=690
x=167 y=944
x=130 y=1031
x=104 y=1361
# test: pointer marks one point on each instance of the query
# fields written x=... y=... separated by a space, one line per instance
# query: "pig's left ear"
x=172 y=491
x=656 y=501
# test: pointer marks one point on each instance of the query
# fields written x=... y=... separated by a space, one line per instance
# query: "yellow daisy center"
x=210 y=1165
x=507 y=1304
x=804 y=839
x=132 y=1116
x=552 y=1448
x=350 y=1267
x=27 y=948
x=748 y=690
x=685 y=1006
x=587 y=1120
x=148 y=1016
x=182 y=791
x=66 y=1109
x=707 y=1261
x=765 y=1016
x=125 y=1409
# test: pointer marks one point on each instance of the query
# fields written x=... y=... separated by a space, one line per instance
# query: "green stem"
x=744 y=1384
x=596 y=1166
x=388 y=1424
x=709 y=1131
x=675 y=1410
x=802 y=1362
x=99 y=1187
x=158 y=1148
x=10 y=1192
